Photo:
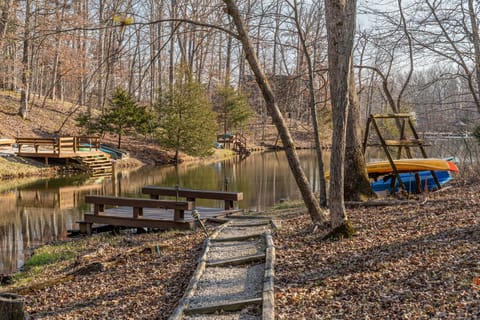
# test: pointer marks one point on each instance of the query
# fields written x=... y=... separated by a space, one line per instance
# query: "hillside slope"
x=48 y=118
x=41 y=121
x=56 y=118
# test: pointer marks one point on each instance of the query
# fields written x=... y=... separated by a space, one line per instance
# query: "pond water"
x=35 y=212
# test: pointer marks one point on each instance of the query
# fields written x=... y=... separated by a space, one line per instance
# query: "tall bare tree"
x=312 y=101
x=357 y=186
x=341 y=18
x=26 y=67
x=475 y=36
x=316 y=213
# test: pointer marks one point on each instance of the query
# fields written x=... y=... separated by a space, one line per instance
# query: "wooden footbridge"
x=83 y=149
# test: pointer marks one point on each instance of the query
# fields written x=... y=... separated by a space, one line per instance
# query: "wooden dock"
x=84 y=149
x=236 y=142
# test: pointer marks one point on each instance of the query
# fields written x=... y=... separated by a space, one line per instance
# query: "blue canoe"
x=408 y=179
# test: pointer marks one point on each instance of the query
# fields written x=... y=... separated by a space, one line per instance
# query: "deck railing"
x=57 y=145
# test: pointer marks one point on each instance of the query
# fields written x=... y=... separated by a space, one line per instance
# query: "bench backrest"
x=192 y=193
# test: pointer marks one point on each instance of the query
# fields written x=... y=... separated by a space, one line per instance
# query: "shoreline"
x=13 y=167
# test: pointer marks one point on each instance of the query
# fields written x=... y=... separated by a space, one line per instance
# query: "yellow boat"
x=411 y=165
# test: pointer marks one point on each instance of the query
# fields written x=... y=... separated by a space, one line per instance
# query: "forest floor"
x=415 y=259
x=408 y=260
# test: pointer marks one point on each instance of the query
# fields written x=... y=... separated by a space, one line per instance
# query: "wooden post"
x=179 y=215
x=11 y=306
x=85 y=227
x=228 y=204
x=98 y=208
x=137 y=212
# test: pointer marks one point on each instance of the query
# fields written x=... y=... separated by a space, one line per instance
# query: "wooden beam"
x=227 y=306
x=139 y=202
x=139 y=223
x=391 y=115
x=192 y=193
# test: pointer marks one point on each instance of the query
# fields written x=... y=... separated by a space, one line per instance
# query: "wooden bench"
x=138 y=204
x=191 y=194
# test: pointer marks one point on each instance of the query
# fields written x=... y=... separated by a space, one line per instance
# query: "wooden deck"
x=153 y=218
x=155 y=213
x=84 y=149
x=60 y=148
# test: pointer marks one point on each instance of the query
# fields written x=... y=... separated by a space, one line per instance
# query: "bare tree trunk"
x=24 y=107
x=101 y=56
x=12 y=306
x=340 y=16
x=82 y=45
x=476 y=40
x=56 y=82
x=4 y=20
x=410 y=55
x=312 y=204
x=313 y=108
x=357 y=186
x=278 y=9
x=171 y=71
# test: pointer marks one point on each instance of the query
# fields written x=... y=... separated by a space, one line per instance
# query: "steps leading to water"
x=96 y=165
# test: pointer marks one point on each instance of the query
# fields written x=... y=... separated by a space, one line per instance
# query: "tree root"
x=345 y=230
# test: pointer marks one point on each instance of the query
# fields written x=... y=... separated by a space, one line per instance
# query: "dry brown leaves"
x=137 y=284
x=413 y=261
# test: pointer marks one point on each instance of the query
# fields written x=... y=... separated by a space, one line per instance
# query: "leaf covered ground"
x=125 y=276
x=414 y=260
x=418 y=260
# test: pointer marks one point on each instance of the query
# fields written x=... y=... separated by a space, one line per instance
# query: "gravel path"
x=235 y=249
x=228 y=284
x=234 y=277
x=233 y=232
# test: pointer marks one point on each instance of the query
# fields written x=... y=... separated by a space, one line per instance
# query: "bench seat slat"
x=192 y=193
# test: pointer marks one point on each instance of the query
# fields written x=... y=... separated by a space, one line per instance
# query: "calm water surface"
x=35 y=212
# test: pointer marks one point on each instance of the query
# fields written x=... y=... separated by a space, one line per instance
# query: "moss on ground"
x=345 y=230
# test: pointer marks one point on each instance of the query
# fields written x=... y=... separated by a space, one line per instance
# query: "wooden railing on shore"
x=57 y=145
x=236 y=142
